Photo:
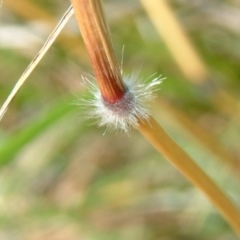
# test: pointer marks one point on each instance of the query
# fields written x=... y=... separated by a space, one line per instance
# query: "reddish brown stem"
x=89 y=15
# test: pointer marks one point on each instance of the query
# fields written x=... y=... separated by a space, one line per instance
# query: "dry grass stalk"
x=171 y=151
x=95 y=35
x=176 y=40
x=186 y=56
x=94 y=31
x=30 y=11
x=36 y=60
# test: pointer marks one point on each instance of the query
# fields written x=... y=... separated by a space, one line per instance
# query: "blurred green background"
x=61 y=178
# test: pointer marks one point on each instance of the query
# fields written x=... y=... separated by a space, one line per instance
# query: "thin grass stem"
x=36 y=59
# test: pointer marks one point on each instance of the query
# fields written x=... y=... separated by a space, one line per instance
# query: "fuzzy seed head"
x=125 y=113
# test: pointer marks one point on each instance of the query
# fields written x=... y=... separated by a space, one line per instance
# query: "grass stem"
x=94 y=30
x=92 y=25
x=68 y=14
x=156 y=135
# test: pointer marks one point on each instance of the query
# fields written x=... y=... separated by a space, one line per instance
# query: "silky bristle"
x=126 y=112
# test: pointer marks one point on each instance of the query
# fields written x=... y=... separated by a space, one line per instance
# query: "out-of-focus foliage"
x=61 y=178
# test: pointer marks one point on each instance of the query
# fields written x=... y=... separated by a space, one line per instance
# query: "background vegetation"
x=61 y=178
